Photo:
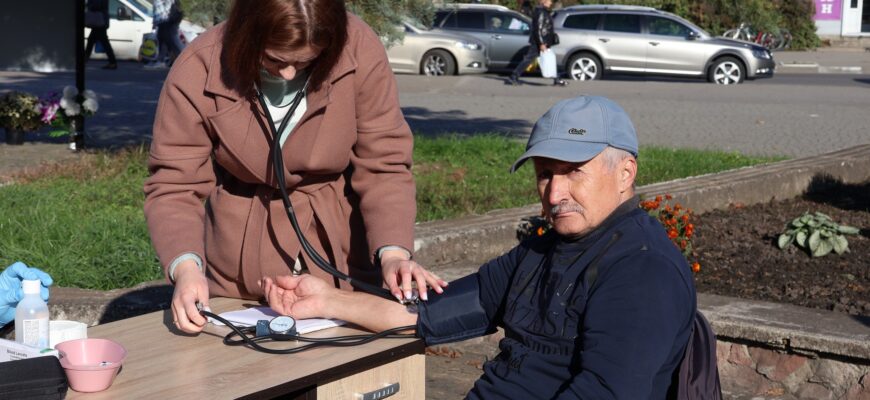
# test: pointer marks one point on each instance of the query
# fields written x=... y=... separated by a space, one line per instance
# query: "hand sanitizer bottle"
x=31 y=317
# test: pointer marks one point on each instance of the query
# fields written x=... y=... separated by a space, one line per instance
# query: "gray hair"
x=613 y=156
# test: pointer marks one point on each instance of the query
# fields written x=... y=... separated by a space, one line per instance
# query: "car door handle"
x=605 y=40
x=654 y=43
x=496 y=37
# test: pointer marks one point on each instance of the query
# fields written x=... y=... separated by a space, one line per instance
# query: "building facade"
x=842 y=18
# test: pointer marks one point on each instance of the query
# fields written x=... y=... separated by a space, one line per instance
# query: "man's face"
x=546 y=3
x=577 y=197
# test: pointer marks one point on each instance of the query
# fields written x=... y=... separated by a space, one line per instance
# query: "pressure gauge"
x=282 y=325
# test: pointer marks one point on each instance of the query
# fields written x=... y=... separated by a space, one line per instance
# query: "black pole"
x=77 y=141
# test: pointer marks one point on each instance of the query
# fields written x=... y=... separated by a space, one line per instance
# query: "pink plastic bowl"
x=91 y=364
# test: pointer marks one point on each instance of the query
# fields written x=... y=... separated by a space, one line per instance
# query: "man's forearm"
x=369 y=311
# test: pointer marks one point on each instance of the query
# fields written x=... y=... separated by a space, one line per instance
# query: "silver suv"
x=505 y=33
x=598 y=38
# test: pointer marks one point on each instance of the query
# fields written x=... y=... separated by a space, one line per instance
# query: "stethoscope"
x=283 y=328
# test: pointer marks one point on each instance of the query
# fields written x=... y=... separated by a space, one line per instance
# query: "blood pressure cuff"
x=453 y=315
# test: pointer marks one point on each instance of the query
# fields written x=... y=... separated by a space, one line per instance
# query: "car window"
x=507 y=23
x=440 y=16
x=119 y=11
x=470 y=20
x=143 y=5
x=666 y=27
x=628 y=23
x=582 y=21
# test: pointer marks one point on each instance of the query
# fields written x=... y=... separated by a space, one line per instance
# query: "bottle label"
x=35 y=332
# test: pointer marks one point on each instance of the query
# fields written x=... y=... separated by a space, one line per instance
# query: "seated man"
x=10 y=288
x=600 y=307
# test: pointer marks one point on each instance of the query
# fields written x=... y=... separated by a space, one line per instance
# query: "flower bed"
x=739 y=257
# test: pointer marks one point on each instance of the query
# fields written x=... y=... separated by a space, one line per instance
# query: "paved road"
x=791 y=114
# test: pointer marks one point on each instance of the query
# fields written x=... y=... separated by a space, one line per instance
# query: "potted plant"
x=19 y=114
x=61 y=110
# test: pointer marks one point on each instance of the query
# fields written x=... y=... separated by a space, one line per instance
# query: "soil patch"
x=739 y=257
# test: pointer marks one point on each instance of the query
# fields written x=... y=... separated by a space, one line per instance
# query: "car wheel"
x=438 y=63
x=727 y=71
x=584 y=67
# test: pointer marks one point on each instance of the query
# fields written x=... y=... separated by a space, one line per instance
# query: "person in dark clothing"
x=100 y=34
x=600 y=307
x=541 y=38
x=167 y=18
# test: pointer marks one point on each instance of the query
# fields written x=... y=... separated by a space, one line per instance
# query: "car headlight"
x=468 y=45
x=761 y=53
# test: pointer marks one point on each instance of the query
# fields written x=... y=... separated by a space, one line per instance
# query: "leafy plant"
x=817 y=233
x=20 y=111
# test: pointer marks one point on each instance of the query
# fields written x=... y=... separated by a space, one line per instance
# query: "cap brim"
x=562 y=150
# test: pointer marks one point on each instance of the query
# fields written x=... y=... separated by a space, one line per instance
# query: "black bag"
x=95 y=20
x=698 y=373
x=33 y=378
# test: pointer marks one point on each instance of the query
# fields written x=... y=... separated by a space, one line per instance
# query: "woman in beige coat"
x=213 y=209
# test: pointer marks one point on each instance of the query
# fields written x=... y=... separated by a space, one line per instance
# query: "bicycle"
x=773 y=41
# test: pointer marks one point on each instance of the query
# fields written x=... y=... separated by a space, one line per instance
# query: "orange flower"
x=683 y=244
x=672 y=234
x=696 y=267
x=685 y=218
x=658 y=199
x=669 y=197
x=678 y=207
x=540 y=231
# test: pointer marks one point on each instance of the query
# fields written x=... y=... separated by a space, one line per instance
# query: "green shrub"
x=817 y=233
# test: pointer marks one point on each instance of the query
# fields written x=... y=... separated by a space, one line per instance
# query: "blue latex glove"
x=10 y=288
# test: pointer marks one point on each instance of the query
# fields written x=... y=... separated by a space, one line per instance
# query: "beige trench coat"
x=347 y=165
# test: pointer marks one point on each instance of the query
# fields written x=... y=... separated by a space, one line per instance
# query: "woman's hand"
x=301 y=297
x=190 y=287
x=399 y=272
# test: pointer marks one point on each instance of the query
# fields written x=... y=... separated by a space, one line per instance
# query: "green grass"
x=82 y=222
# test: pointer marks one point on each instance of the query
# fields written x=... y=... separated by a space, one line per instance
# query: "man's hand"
x=399 y=273
x=190 y=286
x=543 y=48
x=306 y=296
x=10 y=288
x=301 y=297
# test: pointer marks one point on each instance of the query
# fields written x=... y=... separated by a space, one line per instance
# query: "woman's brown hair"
x=256 y=25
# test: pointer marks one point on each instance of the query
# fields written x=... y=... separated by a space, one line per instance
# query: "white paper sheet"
x=250 y=316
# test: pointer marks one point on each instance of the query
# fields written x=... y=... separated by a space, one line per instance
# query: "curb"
x=819 y=69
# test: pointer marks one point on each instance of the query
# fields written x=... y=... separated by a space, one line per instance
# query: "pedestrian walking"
x=167 y=18
x=542 y=37
x=97 y=19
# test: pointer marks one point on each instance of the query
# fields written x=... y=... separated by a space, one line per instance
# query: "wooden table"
x=164 y=363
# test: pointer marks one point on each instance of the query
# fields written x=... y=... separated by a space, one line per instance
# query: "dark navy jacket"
x=622 y=340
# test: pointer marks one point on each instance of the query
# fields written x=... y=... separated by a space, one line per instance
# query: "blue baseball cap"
x=578 y=129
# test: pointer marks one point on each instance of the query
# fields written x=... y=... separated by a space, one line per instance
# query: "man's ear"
x=627 y=174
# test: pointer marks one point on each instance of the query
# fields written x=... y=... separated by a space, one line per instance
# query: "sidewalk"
x=825 y=60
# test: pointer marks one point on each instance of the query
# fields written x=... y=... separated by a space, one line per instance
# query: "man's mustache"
x=566 y=207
